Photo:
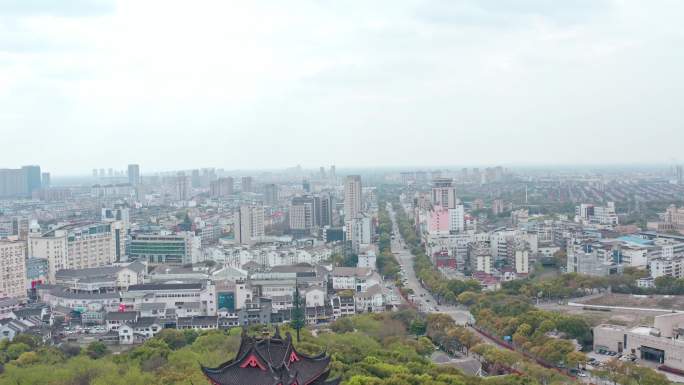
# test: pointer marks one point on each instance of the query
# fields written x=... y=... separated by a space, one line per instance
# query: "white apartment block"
x=671 y=267
x=522 y=261
x=353 y=197
x=249 y=226
x=77 y=246
x=360 y=231
x=483 y=263
x=302 y=214
x=457 y=219
x=589 y=213
x=13 y=269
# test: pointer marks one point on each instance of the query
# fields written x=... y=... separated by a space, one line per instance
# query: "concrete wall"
x=666 y=323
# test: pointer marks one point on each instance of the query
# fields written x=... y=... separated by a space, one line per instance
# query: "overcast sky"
x=268 y=84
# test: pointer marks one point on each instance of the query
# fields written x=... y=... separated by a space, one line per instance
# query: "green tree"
x=15 y=350
x=575 y=359
x=298 y=318
x=175 y=339
x=27 y=358
x=96 y=350
x=467 y=298
x=418 y=327
x=343 y=325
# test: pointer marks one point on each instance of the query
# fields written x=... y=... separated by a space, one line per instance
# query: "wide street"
x=423 y=299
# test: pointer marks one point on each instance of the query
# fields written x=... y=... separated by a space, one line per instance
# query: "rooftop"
x=165 y=286
x=636 y=240
x=644 y=330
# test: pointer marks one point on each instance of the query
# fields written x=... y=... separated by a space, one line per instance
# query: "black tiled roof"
x=271 y=361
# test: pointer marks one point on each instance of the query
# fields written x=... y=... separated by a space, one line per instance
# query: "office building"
x=498 y=206
x=679 y=174
x=178 y=249
x=13 y=269
x=588 y=213
x=196 y=180
x=33 y=176
x=327 y=205
x=182 y=187
x=13 y=183
x=271 y=194
x=444 y=193
x=246 y=185
x=249 y=224
x=353 y=197
x=75 y=246
x=222 y=187
x=119 y=217
x=306 y=186
x=302 y=215
x=673 y=218
x=45 y=180
x=134 y=174
x=18 y=183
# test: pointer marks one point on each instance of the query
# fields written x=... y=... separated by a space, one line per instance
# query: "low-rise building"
x=663 y=343
x=81 y=302
x=354 y=278
x=342 y=306
x=179 y=299
x=370 y=301
x=156 y=248
x=102 y=279
x=667 y=266
x=7 y=306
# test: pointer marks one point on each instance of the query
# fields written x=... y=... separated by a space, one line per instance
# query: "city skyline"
x=249 y=86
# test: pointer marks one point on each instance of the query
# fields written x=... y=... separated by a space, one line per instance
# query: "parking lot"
x=601 y=360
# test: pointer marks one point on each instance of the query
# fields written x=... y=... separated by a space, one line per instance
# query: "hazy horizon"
x=341 y=170
x=259 y=85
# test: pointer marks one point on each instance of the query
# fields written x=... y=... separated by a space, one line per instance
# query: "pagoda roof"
x=271 y=361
